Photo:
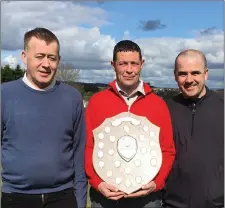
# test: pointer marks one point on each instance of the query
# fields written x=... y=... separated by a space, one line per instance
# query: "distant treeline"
x=86 y=89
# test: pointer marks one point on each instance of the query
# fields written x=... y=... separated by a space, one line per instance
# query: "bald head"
x=192 y=54
x=191 y=73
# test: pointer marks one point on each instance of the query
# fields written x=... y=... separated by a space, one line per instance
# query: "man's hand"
x=110 y=192
x=145 y=190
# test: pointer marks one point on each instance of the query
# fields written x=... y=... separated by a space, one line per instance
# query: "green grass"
x=88 y=198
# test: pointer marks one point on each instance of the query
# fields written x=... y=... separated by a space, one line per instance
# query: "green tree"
x=7 y=74
x=67 y=73
x=18 y=72
x=10 y=74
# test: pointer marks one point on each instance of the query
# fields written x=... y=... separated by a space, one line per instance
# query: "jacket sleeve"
x=167 y=147
x=93 y=178
x=80 y=179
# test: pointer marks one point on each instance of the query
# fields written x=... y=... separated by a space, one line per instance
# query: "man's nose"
x=189 y=78
x=129 y=68
x=45 y=62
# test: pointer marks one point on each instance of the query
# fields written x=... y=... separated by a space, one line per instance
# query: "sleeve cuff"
x=159 y=184
x=96 y=183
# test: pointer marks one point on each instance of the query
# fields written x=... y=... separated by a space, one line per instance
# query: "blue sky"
x=180 y=18
x=90 y=31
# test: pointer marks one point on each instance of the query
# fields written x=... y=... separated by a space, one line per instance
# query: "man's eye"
x=52 y=58
x=182 y=73
x=39 y=57
x=195 y=73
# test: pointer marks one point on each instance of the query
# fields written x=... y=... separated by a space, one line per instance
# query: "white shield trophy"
x=127 y=152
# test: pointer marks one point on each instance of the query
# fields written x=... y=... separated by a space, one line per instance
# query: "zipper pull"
x=129 y=106
x=193 y=117
x=43 y=198
x=193 y=107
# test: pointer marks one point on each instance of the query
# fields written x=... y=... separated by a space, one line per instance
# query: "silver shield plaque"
x=127 y=152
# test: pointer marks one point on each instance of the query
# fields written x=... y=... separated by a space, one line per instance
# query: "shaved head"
x=191 y=73
x=191 y=53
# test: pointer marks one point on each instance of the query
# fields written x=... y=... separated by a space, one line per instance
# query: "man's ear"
x=142 y=62
x=206 y=73
x=175 y=76
x=24 y=57
x=113 y=65
x=59 y=59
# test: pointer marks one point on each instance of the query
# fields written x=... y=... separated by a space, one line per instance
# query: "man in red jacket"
x=128 y=94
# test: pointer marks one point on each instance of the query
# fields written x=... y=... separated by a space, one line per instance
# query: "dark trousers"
x=153 y=200
x=61 y=199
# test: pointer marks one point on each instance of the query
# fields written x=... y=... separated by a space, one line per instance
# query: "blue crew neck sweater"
x=43 y=140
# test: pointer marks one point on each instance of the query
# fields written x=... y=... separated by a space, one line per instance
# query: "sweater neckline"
x=39 y=91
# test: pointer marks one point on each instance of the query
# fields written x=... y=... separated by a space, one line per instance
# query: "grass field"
x=88 y=199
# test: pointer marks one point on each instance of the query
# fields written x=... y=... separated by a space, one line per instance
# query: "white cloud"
x=60 y=17
x=126 y=35
x=160 y=54
x=100 y=76
x=11 y=61
x=78 y=28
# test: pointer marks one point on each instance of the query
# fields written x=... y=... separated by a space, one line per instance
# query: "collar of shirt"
x=139 y=89
x=31 y=85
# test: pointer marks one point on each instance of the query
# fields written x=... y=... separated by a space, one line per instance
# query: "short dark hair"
x=192 y=52
x=42 y=34
x=124 y=46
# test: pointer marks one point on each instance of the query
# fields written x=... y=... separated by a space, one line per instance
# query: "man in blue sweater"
x=43 y=133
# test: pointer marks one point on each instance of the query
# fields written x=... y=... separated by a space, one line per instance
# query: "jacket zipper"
x=129 y=106
x=193 y=117
x=138 y=98
x=43 y=198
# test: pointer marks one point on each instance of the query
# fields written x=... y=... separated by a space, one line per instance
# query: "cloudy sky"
x=88 y=31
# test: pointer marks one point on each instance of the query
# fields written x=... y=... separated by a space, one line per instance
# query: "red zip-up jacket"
x=109 y=103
